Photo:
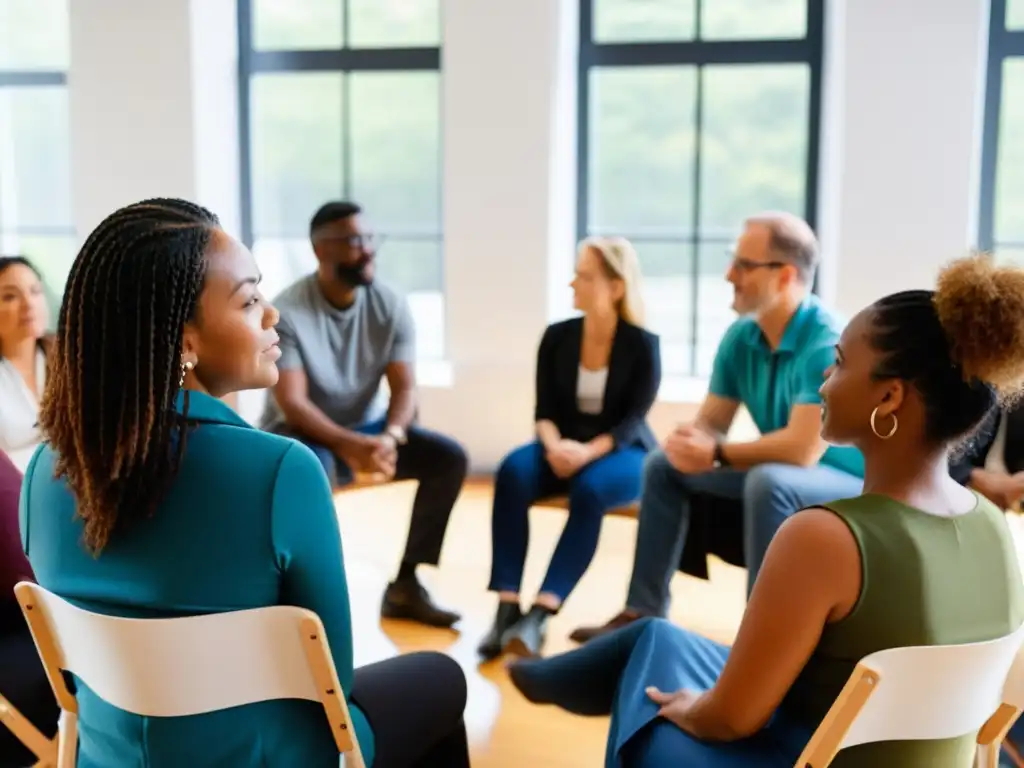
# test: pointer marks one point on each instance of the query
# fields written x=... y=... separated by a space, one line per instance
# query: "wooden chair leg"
x=67 y=740
x=43 y=748
x=1014 y=753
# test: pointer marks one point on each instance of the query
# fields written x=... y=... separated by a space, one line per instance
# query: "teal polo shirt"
x=769 y=383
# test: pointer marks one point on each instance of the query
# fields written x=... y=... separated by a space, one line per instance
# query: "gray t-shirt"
x=344 y=352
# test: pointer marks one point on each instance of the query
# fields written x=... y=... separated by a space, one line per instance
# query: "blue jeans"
x=770 y=493
x=523 y=478
x=609 y=675
x=436 y=461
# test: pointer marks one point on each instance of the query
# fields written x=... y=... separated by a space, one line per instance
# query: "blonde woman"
x=597 y=376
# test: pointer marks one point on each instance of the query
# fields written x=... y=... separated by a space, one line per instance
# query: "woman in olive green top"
x=916 y=560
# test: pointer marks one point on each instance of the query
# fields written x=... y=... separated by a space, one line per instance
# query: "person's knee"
x=769 y=484
x=657 y=468
x=325 y=457
x=517 y=471
x=450 y=457
x=444 y=675
x=588 y=499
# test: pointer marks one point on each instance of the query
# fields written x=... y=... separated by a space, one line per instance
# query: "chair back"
x=191 y=665
x=921 y=693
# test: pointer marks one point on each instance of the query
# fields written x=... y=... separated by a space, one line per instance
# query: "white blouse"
x=19 y=409
x=590 y=388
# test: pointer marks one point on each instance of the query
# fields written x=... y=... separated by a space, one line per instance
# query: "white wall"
x=900 y=189
x=152 y=95
x=153 y=113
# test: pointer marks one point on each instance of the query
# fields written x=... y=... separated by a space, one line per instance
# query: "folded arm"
x=799 y=442
x=544 y=412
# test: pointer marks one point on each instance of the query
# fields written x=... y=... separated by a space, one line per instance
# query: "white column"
x=153 y=105
x=509 y=201
x=904 y=89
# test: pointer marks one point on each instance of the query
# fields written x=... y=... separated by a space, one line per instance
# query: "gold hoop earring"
x=186 y=368
x=874 y=428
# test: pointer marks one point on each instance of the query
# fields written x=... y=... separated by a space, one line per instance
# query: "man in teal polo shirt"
x=772 y=360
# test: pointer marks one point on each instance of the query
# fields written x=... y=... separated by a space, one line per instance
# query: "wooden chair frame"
x=43 y=748
x=314 y=643
x=824 y=744
x=630 y=510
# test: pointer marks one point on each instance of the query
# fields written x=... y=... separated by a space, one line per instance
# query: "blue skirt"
x=671 y=658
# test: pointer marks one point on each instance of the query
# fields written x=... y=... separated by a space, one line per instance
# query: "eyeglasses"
x=749 y=265
x=366 y=242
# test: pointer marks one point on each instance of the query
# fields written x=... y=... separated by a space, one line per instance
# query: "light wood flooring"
x=504 y=729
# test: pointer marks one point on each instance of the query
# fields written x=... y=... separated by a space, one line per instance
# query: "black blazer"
x=634 y=375
x=978 y=447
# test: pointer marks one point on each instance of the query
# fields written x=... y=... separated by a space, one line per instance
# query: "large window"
x=341 y=99
x=35 y=179
x=695 y=114
x=1002 y=195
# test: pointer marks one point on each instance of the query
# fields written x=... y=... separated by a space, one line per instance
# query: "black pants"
x=437 y=462
x=415 y=704
x=23 y=682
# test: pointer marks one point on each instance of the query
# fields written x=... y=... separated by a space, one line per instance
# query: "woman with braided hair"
x=916 y=560
x=151 y=498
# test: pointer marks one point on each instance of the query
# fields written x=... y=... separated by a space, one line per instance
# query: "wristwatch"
x=397 y=434
x=719 y=460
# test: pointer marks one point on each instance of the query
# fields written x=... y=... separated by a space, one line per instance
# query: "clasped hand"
x=567 y=457
x=690 y=449
x=375 y=455
x=1005 y=491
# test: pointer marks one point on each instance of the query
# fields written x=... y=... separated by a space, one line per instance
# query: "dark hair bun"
x=980 y=305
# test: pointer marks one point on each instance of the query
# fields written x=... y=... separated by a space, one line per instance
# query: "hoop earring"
x=186 y=368
x=895 y=425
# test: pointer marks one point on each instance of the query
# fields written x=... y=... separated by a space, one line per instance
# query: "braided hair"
x=108 y=410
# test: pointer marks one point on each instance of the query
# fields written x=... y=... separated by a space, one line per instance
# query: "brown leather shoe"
x=623 y=619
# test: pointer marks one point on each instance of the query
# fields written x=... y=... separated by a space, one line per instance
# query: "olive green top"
x=927 y=580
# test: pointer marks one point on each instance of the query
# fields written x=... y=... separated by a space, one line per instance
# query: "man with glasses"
x=772 y=360
x=342 y=333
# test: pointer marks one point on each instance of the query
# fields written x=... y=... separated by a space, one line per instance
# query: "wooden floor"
x=504 y=729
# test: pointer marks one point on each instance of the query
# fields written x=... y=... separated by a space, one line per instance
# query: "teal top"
x=249 y=522
x=770 y=382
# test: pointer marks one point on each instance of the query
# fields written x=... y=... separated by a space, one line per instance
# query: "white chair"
x=186 y=666
x=43 y=748
x=924 y=693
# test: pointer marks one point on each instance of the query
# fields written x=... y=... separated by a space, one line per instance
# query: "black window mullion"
x=699 y=53
x=344 y=60
x=698 y=143
x=999 y=50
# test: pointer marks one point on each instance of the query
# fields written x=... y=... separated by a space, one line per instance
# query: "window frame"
x=808 y=50
x=34 y=78
x=253 y=62
x=1003 y=44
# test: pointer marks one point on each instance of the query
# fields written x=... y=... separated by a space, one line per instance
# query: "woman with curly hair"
x=917 y=559
x=151 y=498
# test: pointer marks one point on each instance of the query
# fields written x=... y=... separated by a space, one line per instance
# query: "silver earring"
x=186 y=367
